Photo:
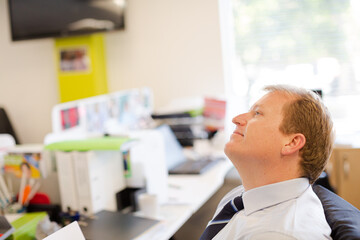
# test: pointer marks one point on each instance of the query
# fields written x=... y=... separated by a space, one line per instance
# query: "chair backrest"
x=6 y=126
x=342 y=217
x=6 y=140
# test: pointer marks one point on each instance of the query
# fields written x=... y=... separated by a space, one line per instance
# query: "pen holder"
x=15 y=208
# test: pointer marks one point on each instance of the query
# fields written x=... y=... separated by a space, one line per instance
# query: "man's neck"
x=263 y=176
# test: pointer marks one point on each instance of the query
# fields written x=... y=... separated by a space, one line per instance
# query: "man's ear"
x=294 y=143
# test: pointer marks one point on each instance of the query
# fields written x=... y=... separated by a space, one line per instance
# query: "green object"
x=196 y=112
x=104 y=143
x=25 y=226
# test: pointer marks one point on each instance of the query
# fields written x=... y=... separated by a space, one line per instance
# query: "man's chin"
x=228 y=149
x=233 y=150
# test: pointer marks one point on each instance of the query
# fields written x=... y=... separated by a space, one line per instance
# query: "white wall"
x=27 y=82
x=171 y=46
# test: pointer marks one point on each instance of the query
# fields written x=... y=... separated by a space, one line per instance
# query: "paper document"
x=71 y=231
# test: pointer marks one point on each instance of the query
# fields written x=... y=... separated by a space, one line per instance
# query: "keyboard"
x=194 y=166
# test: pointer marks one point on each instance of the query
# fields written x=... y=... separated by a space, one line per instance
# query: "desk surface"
x=187 y=193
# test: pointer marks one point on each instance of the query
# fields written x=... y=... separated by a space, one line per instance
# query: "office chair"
x=342 y=217
x=324 y=181
x=6 y=126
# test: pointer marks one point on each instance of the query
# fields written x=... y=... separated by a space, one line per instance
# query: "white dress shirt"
x=284 y=210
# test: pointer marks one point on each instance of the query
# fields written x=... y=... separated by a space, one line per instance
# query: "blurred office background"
x=191 y=48
x=202 y=48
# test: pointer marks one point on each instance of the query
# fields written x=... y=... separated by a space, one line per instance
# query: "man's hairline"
x=290 y=95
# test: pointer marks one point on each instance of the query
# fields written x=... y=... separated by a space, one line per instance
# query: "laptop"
x=177 y=162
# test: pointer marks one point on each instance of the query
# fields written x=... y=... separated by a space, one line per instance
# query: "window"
x=309 y=43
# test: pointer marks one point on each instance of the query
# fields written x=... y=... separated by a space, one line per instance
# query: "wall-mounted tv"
x=31 y=19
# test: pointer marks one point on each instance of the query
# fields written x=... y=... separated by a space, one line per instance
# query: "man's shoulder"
x=301 y=217
x=308 y=217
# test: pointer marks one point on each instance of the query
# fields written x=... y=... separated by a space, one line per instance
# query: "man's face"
x=257 y=136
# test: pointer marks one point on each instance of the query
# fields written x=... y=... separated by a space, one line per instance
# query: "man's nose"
x=240 y=119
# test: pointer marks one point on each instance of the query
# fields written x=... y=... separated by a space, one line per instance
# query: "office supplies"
x=148 y=205
x=116 y=225
x=5 y=228
x=3 y=201
x=53 y=210
x=27 y=190
x=214 y=113
x=10 y=187
x=182 y=124
x=32 y=154
x=26 y=193
x=70 y=231
x=148 y=163
x=103 y=114
x=46 y=227
x=98 y=177
x=4 y=189
x=176 y=160
x=66 y=176
x=22 y=188
x=32 y=193
x=90 y=173
x=5 y=197
x=89 y=144
x=25 y=226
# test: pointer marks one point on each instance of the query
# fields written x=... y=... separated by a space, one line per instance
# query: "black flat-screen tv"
x=31 y=19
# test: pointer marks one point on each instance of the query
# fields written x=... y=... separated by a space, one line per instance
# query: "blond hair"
x=308 y=115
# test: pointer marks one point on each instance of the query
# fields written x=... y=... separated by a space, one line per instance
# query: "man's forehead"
x=271 y=99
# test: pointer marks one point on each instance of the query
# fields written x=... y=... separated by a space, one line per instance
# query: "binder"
x=98 y=177
x=90 y=173
x=83 y=180
x=66 y=176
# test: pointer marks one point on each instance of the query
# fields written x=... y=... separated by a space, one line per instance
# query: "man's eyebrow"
x=253 y=107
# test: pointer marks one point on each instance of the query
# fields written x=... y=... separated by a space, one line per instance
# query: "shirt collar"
x=272 y=194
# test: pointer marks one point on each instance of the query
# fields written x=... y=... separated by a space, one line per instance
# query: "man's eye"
x=257 y=113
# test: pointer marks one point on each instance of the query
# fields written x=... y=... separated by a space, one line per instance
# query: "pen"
x=22 y=187
x=10 y=188
x=4 y=189
x=27 y=190
x=3 y=200
x=32 y=193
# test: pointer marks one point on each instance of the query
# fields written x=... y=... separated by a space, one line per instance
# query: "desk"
x=187 y=193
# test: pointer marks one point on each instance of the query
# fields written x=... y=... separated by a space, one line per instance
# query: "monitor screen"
x=32 y=19
x=173 y=150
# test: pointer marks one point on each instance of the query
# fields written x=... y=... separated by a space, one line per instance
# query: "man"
x=280 y=147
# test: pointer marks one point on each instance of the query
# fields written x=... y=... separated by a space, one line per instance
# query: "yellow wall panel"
x=81 y=66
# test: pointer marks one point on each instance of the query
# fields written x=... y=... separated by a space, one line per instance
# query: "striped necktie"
x=223 y=218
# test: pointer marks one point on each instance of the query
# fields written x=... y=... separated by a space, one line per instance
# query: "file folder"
x=66 y=175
